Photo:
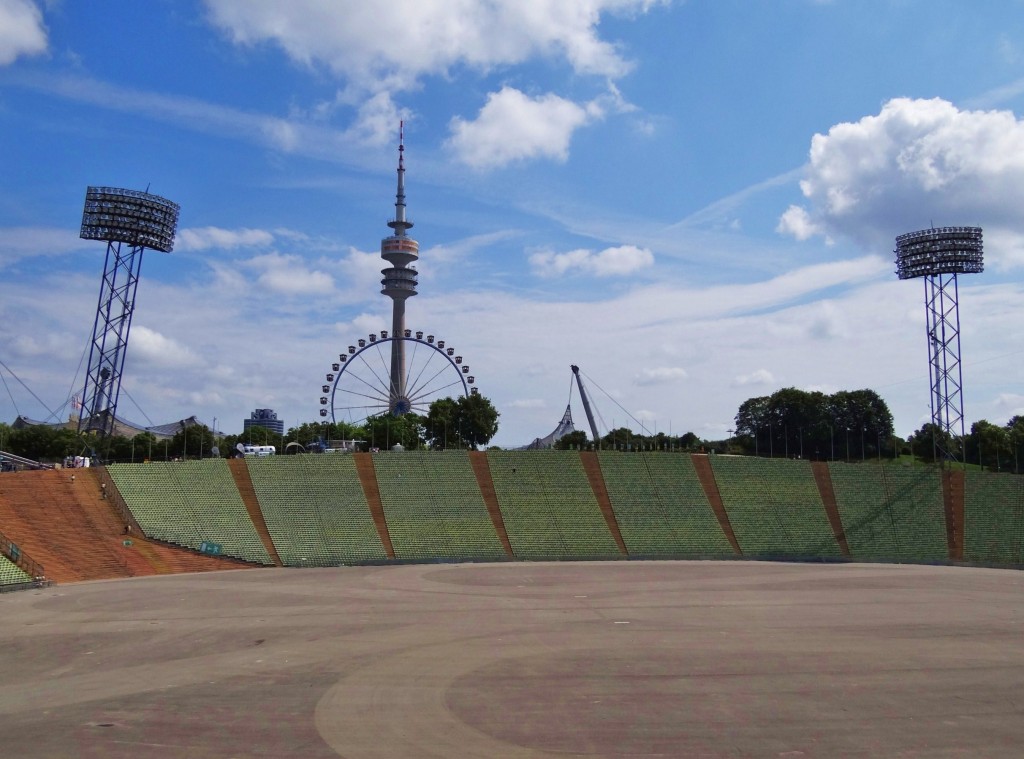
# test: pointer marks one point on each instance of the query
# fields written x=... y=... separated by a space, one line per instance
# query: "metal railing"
x=114 y=496
x=22 y=461
x=32 y=568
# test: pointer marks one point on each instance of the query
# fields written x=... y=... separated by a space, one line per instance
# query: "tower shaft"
x=398 y=386
x=399 y=283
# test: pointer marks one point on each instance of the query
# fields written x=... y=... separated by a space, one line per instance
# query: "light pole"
x=847 y=445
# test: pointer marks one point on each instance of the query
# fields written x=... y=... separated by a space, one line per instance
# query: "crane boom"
x=586 y=404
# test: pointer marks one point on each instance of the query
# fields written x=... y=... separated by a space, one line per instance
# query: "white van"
x=258 y=450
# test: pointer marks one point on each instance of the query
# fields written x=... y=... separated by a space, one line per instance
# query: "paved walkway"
x=614 y=659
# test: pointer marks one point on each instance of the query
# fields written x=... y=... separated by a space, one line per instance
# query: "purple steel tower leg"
x=136 y=221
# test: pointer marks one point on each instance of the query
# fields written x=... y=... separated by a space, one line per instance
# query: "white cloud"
x=531 y=403
x=515 y=127
x=797 y=222
x=287 y=135
x=288 y=275
x=21 y=30
x=204 y=238
x=916 y=163
x=156 y=350
x=24 y=242
x=660 y=375
x=1012 y=404
x=376 y=120
x=617 y=261
x=390 y=49
x=756 y=377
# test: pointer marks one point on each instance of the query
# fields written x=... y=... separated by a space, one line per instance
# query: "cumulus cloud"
x=756 y=377
x=154 y=349
x=512 y=126
x=289 y=275
x=618 y=261
x=204 y=238
x=797 y=222
x=358 y=41
x=660 y=375
x=21 y=30
x=916 y=163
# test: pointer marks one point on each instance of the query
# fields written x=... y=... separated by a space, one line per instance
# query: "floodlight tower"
x=938 y=256
x=138 y=221
x=399 y=283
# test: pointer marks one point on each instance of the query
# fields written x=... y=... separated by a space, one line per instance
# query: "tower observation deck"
x=399 y=283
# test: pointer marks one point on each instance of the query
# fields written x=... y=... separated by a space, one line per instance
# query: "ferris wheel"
x=359 y=385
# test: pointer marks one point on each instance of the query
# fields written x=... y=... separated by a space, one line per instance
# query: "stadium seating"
x=548 y=506
x=774 y=507
x=315 y=509
x=891 y=512
x=660 y=506
x=190 y=503
x=11 y=573
x=434 y=508
x=994 y=518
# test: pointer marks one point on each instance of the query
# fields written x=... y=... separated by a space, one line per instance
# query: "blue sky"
x=694 y=201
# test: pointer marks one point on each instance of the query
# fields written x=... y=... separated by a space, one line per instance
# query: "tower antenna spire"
x=399 y=283
x=400 y=225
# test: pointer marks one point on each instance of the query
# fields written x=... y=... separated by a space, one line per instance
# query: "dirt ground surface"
x=612 y=659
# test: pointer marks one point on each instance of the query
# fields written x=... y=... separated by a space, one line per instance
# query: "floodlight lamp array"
x=946 y=250
x=129 y=216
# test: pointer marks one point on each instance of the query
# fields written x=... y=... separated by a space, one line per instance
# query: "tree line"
x=467 y=422
x=790 y=423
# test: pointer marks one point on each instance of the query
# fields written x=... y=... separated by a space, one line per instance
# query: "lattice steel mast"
x=938 y=255
x=136 y=220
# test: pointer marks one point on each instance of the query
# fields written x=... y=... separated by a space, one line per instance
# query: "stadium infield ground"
x=610 y=659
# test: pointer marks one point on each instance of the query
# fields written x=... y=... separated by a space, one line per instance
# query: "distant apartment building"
x=264 y=417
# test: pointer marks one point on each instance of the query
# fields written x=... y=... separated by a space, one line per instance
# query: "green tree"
x=575 y=439
x=989 y=445
x=192 y=442
x=387 y=430
x=309 y=434
x=1015 y=434
x=621 y=438
x=43 y=443
x=478 y=420
x=440 y=425
x=793 y=422
x=923 y=443
x=469 y=421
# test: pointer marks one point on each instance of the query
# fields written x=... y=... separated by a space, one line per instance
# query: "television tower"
x=399 y=284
